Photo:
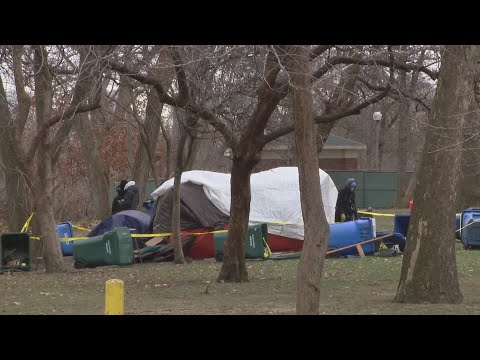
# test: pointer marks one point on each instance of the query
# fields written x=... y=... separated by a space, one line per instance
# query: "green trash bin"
x=255 y=246
x=15 y=251
x=112 y=248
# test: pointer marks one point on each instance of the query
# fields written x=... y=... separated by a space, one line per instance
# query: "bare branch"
x=326 y=118
x=183 y=95
x=319 y=50
x=24 y=102
x=144 y=79
x=201 y=111
x=359 y=61
x=393 y=93
x=55 y=119
x=270 y=72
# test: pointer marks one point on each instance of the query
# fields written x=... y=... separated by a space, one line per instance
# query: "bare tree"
x=34 y=162
x=429 y=271
x=316 y=226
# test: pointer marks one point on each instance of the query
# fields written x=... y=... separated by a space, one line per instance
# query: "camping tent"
x=131 y=219
x=205 y=204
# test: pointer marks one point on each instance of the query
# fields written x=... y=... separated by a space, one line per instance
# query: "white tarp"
x=275 y=197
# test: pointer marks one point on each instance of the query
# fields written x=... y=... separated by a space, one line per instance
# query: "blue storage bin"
x=350 y=233
x=400 y=224
x=65 y=230
x=470 y=236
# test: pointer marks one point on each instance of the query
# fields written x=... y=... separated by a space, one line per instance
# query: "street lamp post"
x=377 y=116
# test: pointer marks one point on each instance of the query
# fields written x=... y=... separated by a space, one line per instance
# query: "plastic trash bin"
x=400 y=224
x=112 y=248
x=15 y=251
x=470 y=235
x=65 y=230
x=254 y=247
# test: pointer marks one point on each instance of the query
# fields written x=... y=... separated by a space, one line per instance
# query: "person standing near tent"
x=118 y=201
x=132 y=196
x=346 y=209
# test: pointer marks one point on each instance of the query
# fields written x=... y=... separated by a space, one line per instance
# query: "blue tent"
x=136 y=221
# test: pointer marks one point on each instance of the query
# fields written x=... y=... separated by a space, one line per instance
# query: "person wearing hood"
x=346 y=209
x=132 y=196
x=118 y=201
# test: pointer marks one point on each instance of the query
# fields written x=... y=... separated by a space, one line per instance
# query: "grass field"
x=349 y=286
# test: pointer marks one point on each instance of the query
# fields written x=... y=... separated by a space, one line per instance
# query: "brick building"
x=338 y=154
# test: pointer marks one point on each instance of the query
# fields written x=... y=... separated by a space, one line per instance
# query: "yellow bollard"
x=114 y=304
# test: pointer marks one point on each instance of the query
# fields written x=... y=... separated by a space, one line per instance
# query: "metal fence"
x=375 y=189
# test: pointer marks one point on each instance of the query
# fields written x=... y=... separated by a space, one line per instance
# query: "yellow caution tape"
x=375 y=214
x=27 y=223
x=80 y=228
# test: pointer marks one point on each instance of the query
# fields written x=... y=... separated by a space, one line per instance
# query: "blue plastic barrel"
x=400 y=224
x=350 y=233
x=65 y=230
x=470 y=235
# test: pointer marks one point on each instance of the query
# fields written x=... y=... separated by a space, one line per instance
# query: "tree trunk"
x=315 y=223
x=179 y=258
x=144 y=156
x=52 y=255
x=18 y=194
x=168 y=145
x=429 y=270
x=97 y=174
x=402 y=140
x=234 y=268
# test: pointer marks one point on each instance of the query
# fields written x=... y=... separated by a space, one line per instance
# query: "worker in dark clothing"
x=118 y=201
x=346 y=209
x=132 y=196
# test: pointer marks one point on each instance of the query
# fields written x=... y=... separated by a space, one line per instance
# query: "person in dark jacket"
x=346 y=209
x=132 y=196
x=118 y=201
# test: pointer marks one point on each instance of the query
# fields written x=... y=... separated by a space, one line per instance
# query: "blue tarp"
x=131 y=219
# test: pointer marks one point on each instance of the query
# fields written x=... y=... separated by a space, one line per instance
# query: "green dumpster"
x=255 y=246
x=112 y=248
x=15 y=251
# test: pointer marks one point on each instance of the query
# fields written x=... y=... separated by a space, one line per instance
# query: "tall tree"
x=35 y=156
x=315 y=223
x=12 y=125
x=429 y=271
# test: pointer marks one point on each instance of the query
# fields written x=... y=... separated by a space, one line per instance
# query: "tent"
x=136 y=221
x=205 y=206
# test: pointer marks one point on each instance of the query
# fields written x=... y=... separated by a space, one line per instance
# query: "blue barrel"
x=470 y=235
x=350 y=233
x=400 y=224
x=458 y=218
x=65 y=230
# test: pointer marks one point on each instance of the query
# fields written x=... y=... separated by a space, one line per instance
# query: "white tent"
x=275 y=197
